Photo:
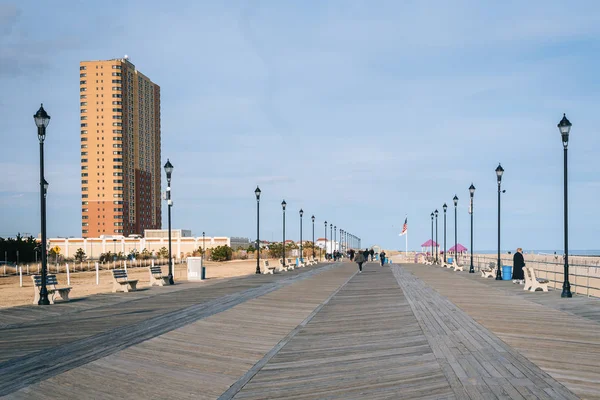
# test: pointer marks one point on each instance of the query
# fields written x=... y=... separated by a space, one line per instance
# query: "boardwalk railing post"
x=97 y=275
x=20 y=276
x=68 y=274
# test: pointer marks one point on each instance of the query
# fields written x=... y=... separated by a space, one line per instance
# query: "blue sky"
x=359 y=112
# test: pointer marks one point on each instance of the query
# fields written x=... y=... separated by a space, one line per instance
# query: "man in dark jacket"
x=518 y=264
x=371 y=253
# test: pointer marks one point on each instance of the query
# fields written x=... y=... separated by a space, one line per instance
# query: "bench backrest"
x=533 y=277
x=155 y=270
x=289 y=261
x=50 y=280
x=527 y=276
x=280 y=261
x=266 y=263
x=119 y=274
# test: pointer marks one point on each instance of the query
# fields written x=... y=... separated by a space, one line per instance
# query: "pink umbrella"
x=430 y=243
x=460 y=247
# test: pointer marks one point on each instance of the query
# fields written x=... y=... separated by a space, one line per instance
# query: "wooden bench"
x=156 y=276
x=267 y=269
x=287 y=267
x=490 y=271
x=51 y=283
x=429 y=261
x=290 y=261
x=532 y=282
x=312 y=261
x=456 y=266
x=120 y=281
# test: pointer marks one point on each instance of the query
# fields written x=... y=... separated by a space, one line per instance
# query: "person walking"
x=518 y=264
x=366 y=255
x=360 y=259
x=371 y=253
x=382 y=257
x=351 y=253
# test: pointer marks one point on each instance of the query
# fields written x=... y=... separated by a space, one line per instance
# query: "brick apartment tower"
x=120 y=149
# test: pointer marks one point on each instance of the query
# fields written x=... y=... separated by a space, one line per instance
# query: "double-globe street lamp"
x=499 y=172
x=565 y=127
x=472 y=193
x=42 y=119
x=331 y=239
x=169 y=170
x=283 y=204
x=257 y=193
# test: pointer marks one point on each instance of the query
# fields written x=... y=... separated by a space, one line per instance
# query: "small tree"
x=145 y=254
x=163 y=252
x=251 y=248
x=275 y=250
x=221 y=253
x=80 y=255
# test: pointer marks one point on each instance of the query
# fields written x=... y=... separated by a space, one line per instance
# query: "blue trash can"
x=449 y=260
x=506 y=272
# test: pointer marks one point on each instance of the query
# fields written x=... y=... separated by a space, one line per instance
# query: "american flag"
x=404 y=227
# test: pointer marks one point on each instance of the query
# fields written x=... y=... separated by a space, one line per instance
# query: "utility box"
x=195 y=269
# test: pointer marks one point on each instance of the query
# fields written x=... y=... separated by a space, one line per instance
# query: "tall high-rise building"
x=120 y=149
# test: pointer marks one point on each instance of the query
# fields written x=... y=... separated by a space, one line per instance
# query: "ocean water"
x=588 y=253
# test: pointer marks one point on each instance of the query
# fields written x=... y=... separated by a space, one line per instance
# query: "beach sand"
x=84 y=283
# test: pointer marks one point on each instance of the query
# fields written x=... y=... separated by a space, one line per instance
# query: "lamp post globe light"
x=169 y=170
x=445 y=207
x=42 y=119
x=472 y=193
x=455 y=200
x=325 y=239
x=301 y=253
x=437 y=246
x=565 y=127
x=313 y=232
x=283 y=204
x=499 y=172
x=257 y=193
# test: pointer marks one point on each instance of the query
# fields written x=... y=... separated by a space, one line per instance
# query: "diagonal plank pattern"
x=364 y=344
x=80 y=338
x=201 y=359
x=566 y=345
x=477 y=364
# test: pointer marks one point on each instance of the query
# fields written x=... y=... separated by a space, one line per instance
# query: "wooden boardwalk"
x=405 y=332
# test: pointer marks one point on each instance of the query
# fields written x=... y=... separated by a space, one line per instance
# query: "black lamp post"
x=436 y=238
x=325 y=239
x=169 y=171
x=565 y=127
x=335 y=246
x=445 y=207
x=257 y=193
x=203 y=246
x=283 y=204
x=42 y=119
x=431 y=235
x=301 y=253
x=455 y=199
x=331 y=237
x=472 y=193
x=499 y=172
x=313 y=232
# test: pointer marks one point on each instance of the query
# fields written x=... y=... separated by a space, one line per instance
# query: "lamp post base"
x=498 y=277
x=171 y=281
x=566 y=292
x=43 y=301
x=471 y=270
